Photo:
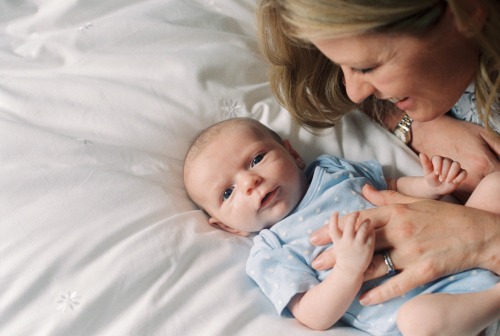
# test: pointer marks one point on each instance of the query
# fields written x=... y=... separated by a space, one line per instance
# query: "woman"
x=406 y=64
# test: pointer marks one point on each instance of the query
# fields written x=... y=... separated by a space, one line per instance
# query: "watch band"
x=403 y=129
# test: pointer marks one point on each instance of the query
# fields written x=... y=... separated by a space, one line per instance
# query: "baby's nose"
x=250 y=182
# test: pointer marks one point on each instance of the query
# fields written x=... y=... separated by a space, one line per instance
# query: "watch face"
x=401 y=135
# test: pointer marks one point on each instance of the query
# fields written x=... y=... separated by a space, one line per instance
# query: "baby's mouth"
x=269 y=198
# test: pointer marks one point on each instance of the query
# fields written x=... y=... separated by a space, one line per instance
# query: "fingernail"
x=365 y=301
x=314 y=239
x=317 y=264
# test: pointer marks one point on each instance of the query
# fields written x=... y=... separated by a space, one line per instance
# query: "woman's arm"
x=324 y=304
x=427 y=240
x=477 y=149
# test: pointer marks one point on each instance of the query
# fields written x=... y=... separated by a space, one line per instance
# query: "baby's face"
x=246 y=180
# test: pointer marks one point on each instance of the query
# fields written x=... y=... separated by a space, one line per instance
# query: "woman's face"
x=422 y=75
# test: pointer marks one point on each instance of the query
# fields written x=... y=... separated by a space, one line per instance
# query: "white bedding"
x=98 y=103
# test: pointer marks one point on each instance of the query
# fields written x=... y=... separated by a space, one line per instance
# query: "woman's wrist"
x=418 y=129
x=393 y=119
x=403 y=130
x=489 y=253
x=396 y=122
x=480 y=234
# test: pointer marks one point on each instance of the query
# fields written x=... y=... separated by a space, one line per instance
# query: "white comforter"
x=98 y=103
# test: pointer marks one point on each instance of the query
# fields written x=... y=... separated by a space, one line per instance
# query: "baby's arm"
x=442 y=176
x=323 y=305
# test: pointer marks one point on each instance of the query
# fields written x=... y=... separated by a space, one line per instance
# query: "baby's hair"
x=206 y=136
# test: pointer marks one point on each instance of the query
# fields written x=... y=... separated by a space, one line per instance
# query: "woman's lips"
x=402 y=104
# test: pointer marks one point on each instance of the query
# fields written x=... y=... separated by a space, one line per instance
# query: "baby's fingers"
x=441 y=166
x=350 y=225
x=426 y=163
x=437 y=164
x=461 y=176
x=364 y=231
x=456 y=174
x=333 y=227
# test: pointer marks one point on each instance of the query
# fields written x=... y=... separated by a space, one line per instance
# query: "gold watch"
x=403 y=129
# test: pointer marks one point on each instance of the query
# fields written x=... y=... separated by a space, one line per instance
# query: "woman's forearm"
x=489 y=250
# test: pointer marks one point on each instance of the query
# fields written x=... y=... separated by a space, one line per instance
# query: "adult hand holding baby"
x=417 y=236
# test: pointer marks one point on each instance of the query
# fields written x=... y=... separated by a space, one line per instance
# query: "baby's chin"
x=277 y=217
x=270 y=225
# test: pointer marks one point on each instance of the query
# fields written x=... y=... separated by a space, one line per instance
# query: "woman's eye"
x=363 y=70
x=257 y=159
x=227 y=193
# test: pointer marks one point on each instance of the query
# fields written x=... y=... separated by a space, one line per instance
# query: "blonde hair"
x=311 y=87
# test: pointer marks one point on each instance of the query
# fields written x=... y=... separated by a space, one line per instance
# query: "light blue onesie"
x=281 y=257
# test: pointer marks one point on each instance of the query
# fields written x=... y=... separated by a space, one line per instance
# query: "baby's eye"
x=257 y=159
x=227 y=193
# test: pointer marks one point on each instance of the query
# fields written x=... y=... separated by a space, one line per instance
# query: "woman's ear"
x=219 y=225
x=293 y=152
x=475 y=20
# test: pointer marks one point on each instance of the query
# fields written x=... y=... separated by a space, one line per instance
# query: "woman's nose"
x=357 y=88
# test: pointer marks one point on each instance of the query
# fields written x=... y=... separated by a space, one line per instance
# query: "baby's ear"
x=219 y=225
x=293 y=152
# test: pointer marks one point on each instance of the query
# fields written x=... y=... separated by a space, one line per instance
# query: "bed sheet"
x=99 y=101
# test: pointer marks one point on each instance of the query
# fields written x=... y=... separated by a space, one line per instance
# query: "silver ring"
x=390 y=264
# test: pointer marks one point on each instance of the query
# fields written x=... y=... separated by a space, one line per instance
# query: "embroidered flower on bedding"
x=86 y=26
x=68 y=301
x=229 y=108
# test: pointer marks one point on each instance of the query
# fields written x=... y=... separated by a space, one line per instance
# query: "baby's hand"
x=442 y=174
x=353 y=246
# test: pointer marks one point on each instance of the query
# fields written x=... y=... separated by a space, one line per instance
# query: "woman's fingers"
x=394 y=287
x=377 y=267
x=386 y=197
x=377 y=217
x=321 y=237
x=325 y=260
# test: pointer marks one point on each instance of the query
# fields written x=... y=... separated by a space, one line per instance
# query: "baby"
x=249 y=180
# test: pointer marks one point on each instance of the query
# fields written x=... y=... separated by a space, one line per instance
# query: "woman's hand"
x=476 y=149
x=426 y=240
